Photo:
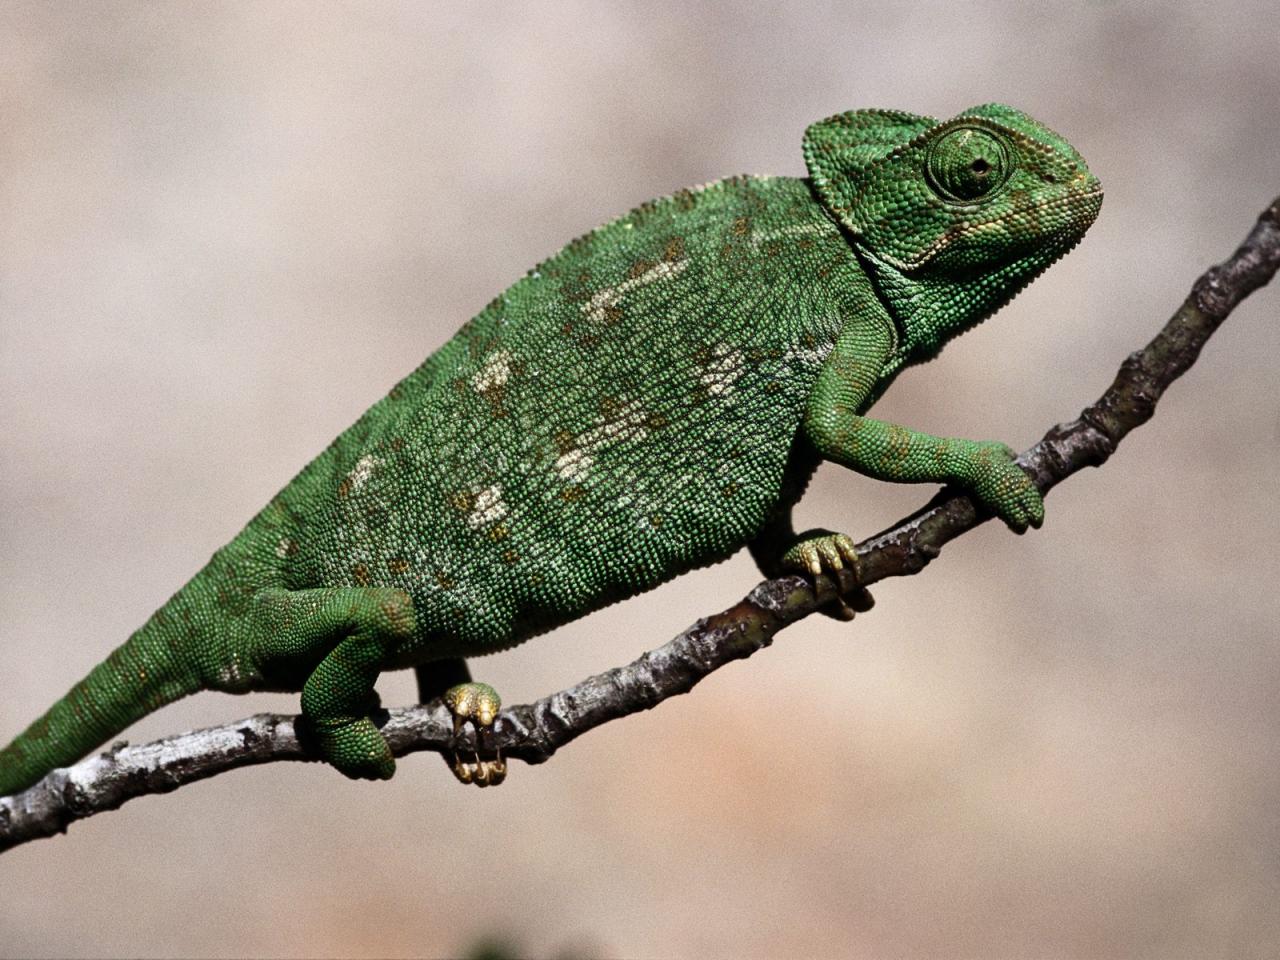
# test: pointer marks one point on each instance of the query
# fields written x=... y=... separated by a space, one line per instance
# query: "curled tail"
x=142 y=675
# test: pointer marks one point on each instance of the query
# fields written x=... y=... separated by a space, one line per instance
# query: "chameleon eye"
x=968 y=163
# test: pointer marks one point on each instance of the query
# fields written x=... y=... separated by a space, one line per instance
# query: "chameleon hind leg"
x=467 y=700
x=340 y=639
x=829 y=558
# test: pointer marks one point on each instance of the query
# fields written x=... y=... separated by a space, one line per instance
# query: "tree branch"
x=534 y=732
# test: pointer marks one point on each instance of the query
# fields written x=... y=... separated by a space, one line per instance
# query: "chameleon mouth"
x=1086 y=201
x=1082 y=206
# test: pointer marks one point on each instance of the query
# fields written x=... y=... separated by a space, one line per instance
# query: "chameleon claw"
x=831 y=559
x=483 y=773
x=479 y=704
x=490 y=773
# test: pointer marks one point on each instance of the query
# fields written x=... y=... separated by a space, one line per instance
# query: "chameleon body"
x=645 y=402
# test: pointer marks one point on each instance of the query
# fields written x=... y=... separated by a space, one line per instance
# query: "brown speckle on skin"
x=899 y=443
x=398 y=565
x=640 y=268
x=360 y=574
x=564 y=441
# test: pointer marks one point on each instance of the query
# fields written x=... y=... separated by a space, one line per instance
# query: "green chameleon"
x=647 y=401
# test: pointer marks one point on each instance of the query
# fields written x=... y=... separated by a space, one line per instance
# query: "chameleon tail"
x=141 y=675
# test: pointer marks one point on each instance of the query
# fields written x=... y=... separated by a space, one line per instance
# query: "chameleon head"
x=951 y=218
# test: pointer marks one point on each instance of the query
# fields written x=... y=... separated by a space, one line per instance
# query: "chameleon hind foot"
x=831 y=558
x=478 y=703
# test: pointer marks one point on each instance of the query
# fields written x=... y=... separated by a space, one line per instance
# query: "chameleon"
x=647 y=401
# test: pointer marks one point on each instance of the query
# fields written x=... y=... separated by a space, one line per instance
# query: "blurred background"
x=1062 y=745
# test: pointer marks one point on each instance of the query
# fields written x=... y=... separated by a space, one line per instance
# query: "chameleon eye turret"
x=968 y=164
x=647 y=401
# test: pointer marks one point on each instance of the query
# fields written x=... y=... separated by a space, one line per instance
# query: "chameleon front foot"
x=478 y=703
x=831 y=558
x=356 y=747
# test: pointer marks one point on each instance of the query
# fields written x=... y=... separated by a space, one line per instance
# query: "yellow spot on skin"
x=359 y=474
x=723 y=370
x=494 y=373
x=597 y=307
x=488 y=507
x=619 y=421
x=573 y=465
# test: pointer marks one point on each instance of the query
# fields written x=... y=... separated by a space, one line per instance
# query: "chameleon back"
x=620 y=415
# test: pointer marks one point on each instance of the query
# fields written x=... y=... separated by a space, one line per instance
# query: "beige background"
x=228 y=228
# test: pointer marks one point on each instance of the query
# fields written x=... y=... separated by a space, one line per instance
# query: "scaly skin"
x=647 y=401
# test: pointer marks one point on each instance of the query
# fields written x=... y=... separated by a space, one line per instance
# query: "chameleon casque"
x=647 y=401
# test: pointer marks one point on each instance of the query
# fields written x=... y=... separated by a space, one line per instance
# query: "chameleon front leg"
x=852 y=374
x=985 y=468
x=353 y=632
x=467 y=700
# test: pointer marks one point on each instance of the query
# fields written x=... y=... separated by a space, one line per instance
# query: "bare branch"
x=535 y=731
